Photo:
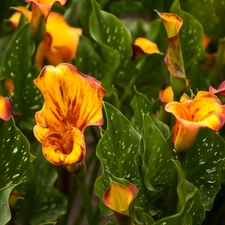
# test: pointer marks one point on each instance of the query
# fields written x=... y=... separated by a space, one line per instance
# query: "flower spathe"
x=59 y=45
x=146 y=46
x=220 y=90
x=45 y=5
x=205 y=110
x=5 y=108
x=73 y=101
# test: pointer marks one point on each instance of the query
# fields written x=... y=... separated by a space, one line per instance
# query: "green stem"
x=81 y=181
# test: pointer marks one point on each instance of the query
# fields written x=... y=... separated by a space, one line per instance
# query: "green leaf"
x=107 y=29
x=16 y=65
x=210 y=14
x=157 y=167
x=141 y=104
x=41 y=201
x=15 y=163
x=5 y=214
x=116 y=150
x=87 y=53
x=203 y=164
x=190 y=36
x=190 y=211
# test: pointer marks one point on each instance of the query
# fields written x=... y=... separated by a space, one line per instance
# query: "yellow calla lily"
x=205 y=110
x=146 y=46
x=167 y=95
x=73 y=101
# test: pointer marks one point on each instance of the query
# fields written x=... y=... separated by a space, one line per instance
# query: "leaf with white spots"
x=141 y=104
x=203 y=164
x=15 y=163
x=86 y=52
x=107 y=29
x=190 y=37
x=40 y=201
x=5 y=214
x=117 y=150
x=157 y=167
x=210 y=14
x=17 y=65
x=190 y=209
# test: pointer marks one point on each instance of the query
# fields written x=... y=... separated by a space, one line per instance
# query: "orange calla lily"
x=73 y=101
x=5 y=108
x=56 y=46
x=205 y=110
x=59 y=45
x=167 y=95
x=45 y=5
x=220 y=90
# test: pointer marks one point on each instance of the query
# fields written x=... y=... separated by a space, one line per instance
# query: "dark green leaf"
x=191 y=35
x=15 y=163
x=116 y=150
x=5 y=214
x=41 y=201
x=203 y=164
x=16 y=65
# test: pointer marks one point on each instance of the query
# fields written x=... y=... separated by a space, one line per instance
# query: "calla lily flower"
x=205 y=110
x=73 y=101
x=119 y=198
x=7 y=87
x=59 y=45
x=45 y=5
x=167 y=95
x=146 y=46
x=5 y=108
x=56 y=46
x=220 y=90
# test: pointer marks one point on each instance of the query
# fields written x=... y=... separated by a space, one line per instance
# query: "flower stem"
x=87 y=204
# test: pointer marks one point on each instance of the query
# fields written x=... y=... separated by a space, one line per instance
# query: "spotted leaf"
x=16 y=65
x=117 y=150
x=203 y=163
x=15 y=163
x=47 y=203
x=190 y=209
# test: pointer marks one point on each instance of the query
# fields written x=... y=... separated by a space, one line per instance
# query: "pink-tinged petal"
x=146 y=46
x=45 y=5
x=119 y=197
x=205 y=110
x=220 y=90
x=64 y=148
x=5 y=108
